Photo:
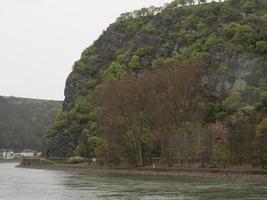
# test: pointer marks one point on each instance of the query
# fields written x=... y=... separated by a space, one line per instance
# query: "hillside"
x=23 y=122
x=215 y=56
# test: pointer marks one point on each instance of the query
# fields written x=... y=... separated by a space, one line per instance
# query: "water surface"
x=31 y=184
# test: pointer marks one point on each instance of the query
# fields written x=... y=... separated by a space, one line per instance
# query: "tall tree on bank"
x=178 y=104
x=161 y=103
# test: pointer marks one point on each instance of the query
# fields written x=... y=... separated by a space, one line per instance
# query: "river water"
x=31 y=184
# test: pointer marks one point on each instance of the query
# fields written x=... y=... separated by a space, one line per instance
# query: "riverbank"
x=10 y=160
x=32 y=184
x=242 y=173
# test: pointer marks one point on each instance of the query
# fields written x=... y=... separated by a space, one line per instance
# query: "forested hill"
x=180 y=82
x=23 y=122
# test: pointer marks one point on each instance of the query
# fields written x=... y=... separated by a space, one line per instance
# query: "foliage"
x=23 y=122
x=262 y=141
x=261 y=47
x=115 y=71
x=97 y=147
x=148 y=104
x=134 y=63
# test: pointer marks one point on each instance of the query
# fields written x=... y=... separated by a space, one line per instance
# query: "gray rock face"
x=105 y=47
x=71 y=91
x=239 y=67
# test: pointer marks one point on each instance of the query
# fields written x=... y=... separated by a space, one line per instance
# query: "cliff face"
x=230 y=36
x=173 y=32
x=105 y=49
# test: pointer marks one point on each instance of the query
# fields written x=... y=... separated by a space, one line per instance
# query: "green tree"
x=115 y=71
x=248 y=6
x=242 y=35
x=261 y=137
x=81 y=150
x=97 y=147
x=233 y=102
x=181 y=2
x=261 y=47
x=135 y=63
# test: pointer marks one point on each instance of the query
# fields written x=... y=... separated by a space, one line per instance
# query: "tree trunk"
x=185 y=149
x=140 y=155
x=178 y=157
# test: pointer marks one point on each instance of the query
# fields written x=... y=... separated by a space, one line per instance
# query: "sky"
x=41 y=39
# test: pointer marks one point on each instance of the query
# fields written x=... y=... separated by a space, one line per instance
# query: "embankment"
x=244 y=173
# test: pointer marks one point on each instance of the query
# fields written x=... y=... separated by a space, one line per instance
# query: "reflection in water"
x=30 y=184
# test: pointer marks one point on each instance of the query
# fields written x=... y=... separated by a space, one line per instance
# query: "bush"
x=261 y=47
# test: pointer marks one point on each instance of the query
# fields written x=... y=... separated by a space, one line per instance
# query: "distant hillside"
x=23 y=122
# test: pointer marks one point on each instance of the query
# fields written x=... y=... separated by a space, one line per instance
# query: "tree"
x=178 y=98
x=234 y=2
x=242 y=35
x=261 y=47
x=97 y=147
x=261 y=137
x=248 y=7
x=81 y=150
x=181 y=2
x=135 y=63
x=115 y=71
x=162 y=103
x=125 y=104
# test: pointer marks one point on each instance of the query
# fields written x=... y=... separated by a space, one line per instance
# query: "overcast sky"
x=41 y=39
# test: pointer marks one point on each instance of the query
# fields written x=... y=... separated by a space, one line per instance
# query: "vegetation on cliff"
x=23 y=122
x=180 y=83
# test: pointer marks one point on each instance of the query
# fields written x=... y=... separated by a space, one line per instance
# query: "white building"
x=28 y=153
x=8 y=154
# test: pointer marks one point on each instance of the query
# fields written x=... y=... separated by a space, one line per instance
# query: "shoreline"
x=246 y=175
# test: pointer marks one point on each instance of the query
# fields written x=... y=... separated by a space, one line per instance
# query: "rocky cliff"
x=230 y=36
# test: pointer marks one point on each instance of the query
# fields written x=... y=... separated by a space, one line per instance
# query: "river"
x=31 y=184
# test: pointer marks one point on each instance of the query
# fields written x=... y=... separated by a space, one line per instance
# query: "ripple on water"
x=30 y=184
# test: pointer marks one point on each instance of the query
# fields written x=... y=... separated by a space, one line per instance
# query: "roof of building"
x=28 y=151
